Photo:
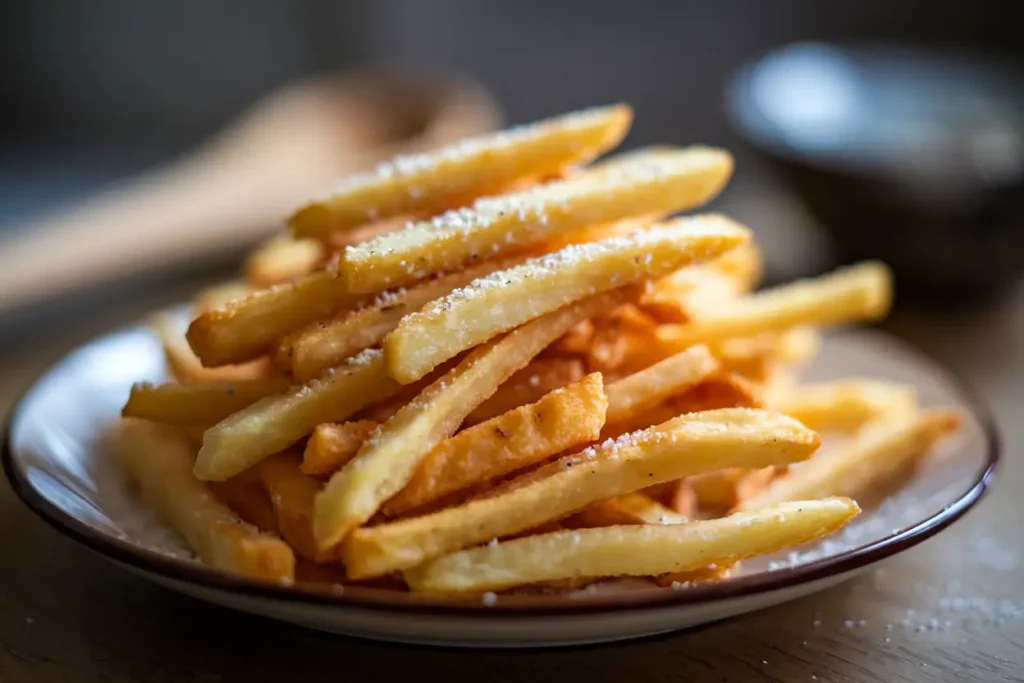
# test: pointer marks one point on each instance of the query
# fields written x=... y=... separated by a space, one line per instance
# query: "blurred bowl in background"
x=911 y=156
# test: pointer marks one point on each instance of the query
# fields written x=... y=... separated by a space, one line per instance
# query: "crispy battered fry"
x=737 y=438
x=198 y=405
x=334 y=444
x=159 y=461
x=389 y=459
x=508 y=298
x=494 y=226
x=539 y=378
x=633 y=550
x=519 y=438
x=427 y=183
x=283 y=258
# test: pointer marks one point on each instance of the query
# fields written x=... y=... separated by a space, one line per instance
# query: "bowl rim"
x=174 y=569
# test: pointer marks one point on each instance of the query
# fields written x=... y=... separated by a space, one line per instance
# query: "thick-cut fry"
x=282 y=259
x=385 y=464
x=862 y=292
x=643 y=390
x=291 y=494
x=519 y=438
x=635 y=550
x=185 y=367
x=508 y=298
x=276 y=422
x=244 y=329
x=631 y=508
x=160 y=461
x=882 y=450
x=848 y=404
x=539 y=378
x=334 y=444
x=687 y=446
x=426 y=183
x=325 y=345
x=199 y=405
x=493 y=226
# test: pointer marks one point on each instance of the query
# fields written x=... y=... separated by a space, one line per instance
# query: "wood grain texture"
x=67 y=615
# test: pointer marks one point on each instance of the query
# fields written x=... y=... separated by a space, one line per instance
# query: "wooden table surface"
x=952 y=608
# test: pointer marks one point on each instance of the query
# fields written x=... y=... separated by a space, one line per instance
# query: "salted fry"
x=737 y=439
x=508 y=298
x=631 y=508
x=643 y=390
x=509 y=442
x=291 y=494
x=861 y=292
x=848 y=404
x=283 y=258
x=386 y=463
x=498 y=225
x=199 y=405
x=185 y=367
x=427 y=183
x=634 y=550
x=881 y=451
x=539 y=378
x=276 y=422
x=324 y=345
x=159 y=461
x=333 y=444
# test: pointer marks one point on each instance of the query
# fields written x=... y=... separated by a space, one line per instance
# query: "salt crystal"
x=489 y=599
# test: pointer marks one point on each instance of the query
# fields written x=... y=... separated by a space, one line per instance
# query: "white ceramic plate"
x=52 y=461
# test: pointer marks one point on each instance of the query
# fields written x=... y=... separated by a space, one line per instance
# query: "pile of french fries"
x=503 y=367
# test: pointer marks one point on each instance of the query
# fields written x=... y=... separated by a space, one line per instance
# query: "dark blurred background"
x=95 y=91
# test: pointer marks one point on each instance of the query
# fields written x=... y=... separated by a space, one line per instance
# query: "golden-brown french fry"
x=426 y=183
x=498 y=225
x=745 y=266
x=631 y=508
x=539 y=378
x=685 y=447
x=509 y=442
x=276 y=422
x=632 y=550
x=575 y=342
x=185 y=367
x=283 y=258
x=245 y=495
x=724 y=390
x=861 y=292
x=333 y=444
x=678 y=296
x=248 y=328
x=386 y=463
x=199 y=405
x=643 y=390
x=291 y=494
x=507 y=298
x=159 y=460
x=848 y=404
x=324 y=345
x=726 y=488
x=882 y=450
x=683 y=499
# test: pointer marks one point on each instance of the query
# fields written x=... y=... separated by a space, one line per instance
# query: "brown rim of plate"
x=189 y=571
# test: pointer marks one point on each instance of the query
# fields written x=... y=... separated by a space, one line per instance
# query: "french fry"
x=684 y=447
x=386 y=463
x=712 y=572
x=222 y=294
x=185 y=367
x=325 y=345
x=337 y=241
x=540 y=377
x=159 y=461
x=724 y=390
x=631 y=508
x=291 y=494
x=427 y=183
x=334 y=444
x=276 y=422
x=881 y=451
x=508 y=298
x=861 y=292
x=678 y=296
x=247 y=328
x=726 y=488
x=633 y=550
x=245 y=495
x=509 y=442
x=847 y=405
x=494 y=226
x=283 y=258
x=643 y=390
x=199 y=405
x=575 y=342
